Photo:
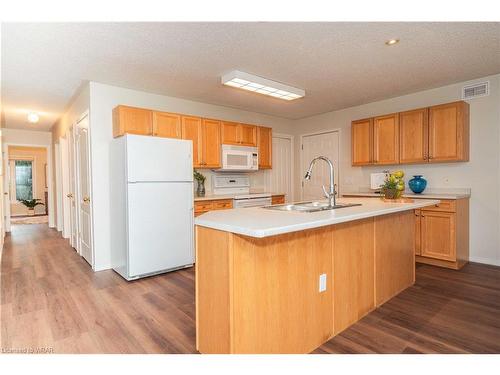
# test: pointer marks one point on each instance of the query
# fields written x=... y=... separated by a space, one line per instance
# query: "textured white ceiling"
x=338 y=64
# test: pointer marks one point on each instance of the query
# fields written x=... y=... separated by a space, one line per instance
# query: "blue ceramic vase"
x=417 y=184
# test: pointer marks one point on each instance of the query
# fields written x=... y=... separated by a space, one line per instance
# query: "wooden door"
x=418 y=232
x=449 y=132
x=166 y=125
x=438 y=235
x=229 y=133
x=211 y=144
x=362 y=142
x=191 y=130
x=265 y=144
x=248 y=135
x=132 y=120
x=386 y=139
x=413 y=136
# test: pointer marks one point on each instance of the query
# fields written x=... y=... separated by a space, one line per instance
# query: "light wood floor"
x=50 y=299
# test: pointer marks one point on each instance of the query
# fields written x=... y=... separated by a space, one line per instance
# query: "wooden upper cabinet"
x=132 y=120
x=438 y=235
x=229 y=133
x=413 y=136
x=362 y=142
x=234 y=133
x=265 y=145
x=191 y=130
x=211 y=143
x=248 y=135
x=449 y=132
x=166 y=125
x=386 y=139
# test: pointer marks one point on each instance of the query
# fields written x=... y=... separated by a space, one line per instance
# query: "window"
x=21 y=179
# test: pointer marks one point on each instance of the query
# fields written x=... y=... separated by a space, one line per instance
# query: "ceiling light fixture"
x=249 y=82
x=392 y=42
x=33 y=117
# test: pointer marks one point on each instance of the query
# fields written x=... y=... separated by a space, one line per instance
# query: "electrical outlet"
x=322 y=282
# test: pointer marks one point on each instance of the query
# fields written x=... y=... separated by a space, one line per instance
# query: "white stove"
x=223 y=184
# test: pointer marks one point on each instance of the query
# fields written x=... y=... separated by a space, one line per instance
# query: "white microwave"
x=239 y=158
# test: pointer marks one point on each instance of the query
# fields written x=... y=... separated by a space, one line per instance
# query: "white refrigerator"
x=152 y=205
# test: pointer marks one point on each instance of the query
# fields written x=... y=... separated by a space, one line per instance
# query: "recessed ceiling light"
x=249 y=82
x=392 y=42
x=33 y=117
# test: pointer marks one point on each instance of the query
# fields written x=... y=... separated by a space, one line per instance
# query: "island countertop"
x=260 y=222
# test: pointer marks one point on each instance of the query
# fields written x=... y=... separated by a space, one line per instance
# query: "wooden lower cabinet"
x=261 y=295
x=200 y=207
x=353 y=273
x=442 y=236
x=278 y=199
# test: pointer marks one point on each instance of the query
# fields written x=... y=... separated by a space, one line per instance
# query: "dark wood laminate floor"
x=50 y=298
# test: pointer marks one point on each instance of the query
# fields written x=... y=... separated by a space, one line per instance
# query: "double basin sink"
x=309 y=206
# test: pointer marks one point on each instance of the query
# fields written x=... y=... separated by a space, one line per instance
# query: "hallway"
x=51 y=301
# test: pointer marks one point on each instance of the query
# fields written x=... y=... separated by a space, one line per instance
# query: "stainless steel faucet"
x=331 y=193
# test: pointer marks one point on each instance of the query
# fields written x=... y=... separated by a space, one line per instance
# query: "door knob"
x=70 y=195
x=86 y=199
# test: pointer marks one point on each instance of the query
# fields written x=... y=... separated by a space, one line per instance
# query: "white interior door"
x=59 y=194
x=2 y=217
x=325 y=144
x=280 y=176
x=73 y=193
x=6 y=193
x=63 y=144
x=83 y=178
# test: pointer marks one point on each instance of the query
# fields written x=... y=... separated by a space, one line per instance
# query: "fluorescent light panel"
x=249 y=82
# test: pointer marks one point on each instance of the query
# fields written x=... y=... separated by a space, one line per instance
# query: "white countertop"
x=260 y=222
x=427 y=195
x=213 y=197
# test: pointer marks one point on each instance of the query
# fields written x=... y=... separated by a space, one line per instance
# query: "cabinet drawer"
x=446 y=205
x=203 y=206
x=277 y=199
x=223 y=205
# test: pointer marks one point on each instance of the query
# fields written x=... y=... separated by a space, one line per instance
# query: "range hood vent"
x=475 y=91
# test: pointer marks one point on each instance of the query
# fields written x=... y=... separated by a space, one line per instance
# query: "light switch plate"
x=322 y=282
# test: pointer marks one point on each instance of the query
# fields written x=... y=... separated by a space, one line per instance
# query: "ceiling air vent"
x=475 y=91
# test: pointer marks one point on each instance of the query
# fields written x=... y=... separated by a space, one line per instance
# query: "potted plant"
x=31 y=204
x=200 y=179
x=394 y=185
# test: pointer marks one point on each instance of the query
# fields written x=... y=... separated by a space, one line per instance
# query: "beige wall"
x=39 y=156
x=481 y=173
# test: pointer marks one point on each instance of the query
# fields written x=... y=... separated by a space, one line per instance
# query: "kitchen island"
x=285 y=282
